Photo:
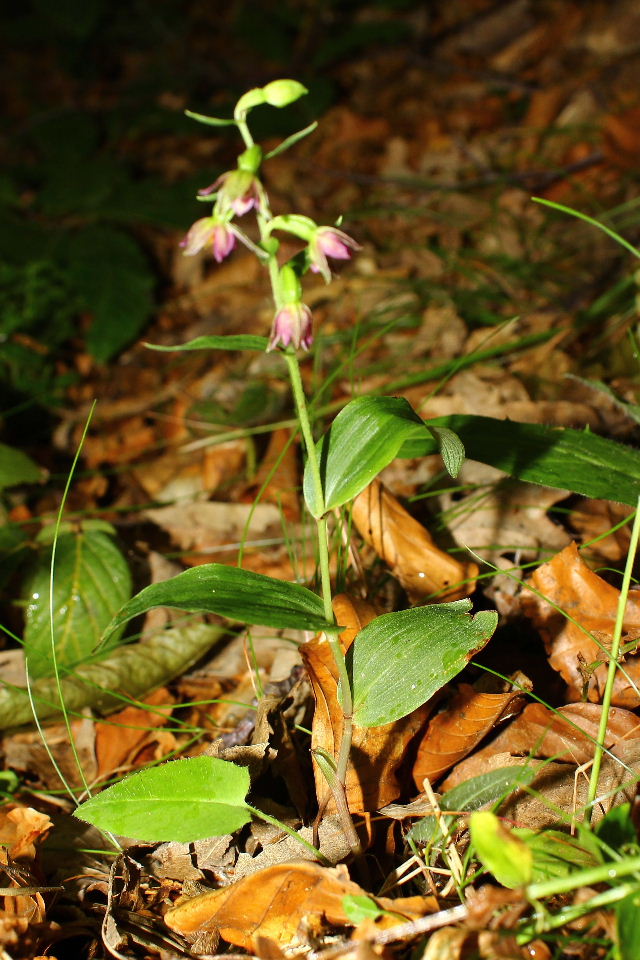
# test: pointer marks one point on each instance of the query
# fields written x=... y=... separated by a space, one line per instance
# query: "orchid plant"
x=194 y=798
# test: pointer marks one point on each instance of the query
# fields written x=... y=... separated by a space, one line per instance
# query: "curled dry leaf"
x=408 y=548
x=283 y=904
x=577 y=648
x=454 y=732
x=377 y=752
x=21 y=828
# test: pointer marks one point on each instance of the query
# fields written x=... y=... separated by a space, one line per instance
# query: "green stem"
x=613 y=666
x=605 y=873
x=542 y=923
x=292 y=833
x=344 y=689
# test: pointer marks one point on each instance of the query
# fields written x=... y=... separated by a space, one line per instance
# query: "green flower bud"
x=290 y=287
x=280 y=93
x=251 y=159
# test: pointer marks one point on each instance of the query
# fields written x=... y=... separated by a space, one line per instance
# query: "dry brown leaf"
x=177 y=475
x=594 y=518
x=279 y=471
x=120 y=739
x=21 y=828
x=377 y=752
x=408 y=548
x=558 y=789
x=568 y=585
x=284 y=904
x=500 y=515
x=567 y=735
x=454 y=732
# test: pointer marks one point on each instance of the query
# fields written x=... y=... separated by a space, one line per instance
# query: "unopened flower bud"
x=293 y=325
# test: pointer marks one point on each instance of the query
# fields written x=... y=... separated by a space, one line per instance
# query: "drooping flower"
x=329 y=242
x=238 y=192
x=210 y=232
x=293 y=325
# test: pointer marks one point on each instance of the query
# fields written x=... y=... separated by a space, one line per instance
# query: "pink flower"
x=238 y=191
x=292 y=324
x=209 y=231
x=329 y=242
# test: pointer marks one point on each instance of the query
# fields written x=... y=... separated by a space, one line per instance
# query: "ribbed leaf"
x=401 y=659
x=233 y=593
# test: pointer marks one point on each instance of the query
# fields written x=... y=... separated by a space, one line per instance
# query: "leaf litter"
x=456 y=260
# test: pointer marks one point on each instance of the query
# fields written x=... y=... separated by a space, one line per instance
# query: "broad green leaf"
x=182 y=800
x=556 y=854
x=507 y=857
x=233 y=593
x=16 y=467
x=132 y=670
x=233 y=342
x=480 y=791
x=617 y=828
x=575 y=460
x=451 y=449
x=91 y=582
x=401 y=659
x=115 y=281
x=363 y=439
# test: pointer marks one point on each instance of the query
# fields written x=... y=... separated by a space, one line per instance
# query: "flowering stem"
x=346 y=700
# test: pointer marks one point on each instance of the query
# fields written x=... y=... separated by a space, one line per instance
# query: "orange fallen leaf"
x=280 y=476
x=408 y=548
x=21 y=828
x=578 y=647
x=454 y=732
x=566 y=735
x=377 y=752
x=283 y=904
x=121 y=737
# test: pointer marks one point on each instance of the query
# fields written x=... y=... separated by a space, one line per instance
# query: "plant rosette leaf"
x=504 y=855
x=91 y=582
x=401 y=659
x=183 y=800
x=363 y=439
x=234 y=593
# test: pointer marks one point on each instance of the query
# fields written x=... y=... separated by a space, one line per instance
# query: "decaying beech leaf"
x=408 y=548
x=567 y=735
x=377 y=752
x=461 y=725
x=569 y=585
x=283 y=904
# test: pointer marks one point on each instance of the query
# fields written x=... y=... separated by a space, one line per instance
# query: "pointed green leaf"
x=451 y=449
x=289 y=142
x=233 y=593
x=91 y=582
x=183 y=800
x=560 y=457
x=363 y=439
x=401 y=659
x=507 y=857
x=209 y=121
x=233 y=342
x=481 y=791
